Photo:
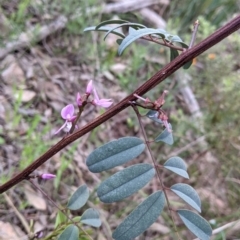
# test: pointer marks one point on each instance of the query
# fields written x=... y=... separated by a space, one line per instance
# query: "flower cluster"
x=67 y=112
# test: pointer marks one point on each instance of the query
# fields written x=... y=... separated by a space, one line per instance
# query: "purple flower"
x=47 y=176
x=105 y=103
x=67 y=113
x=89 y=88
x=79 y=100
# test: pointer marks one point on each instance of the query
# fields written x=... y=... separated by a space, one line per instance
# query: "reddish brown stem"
x=165 y=72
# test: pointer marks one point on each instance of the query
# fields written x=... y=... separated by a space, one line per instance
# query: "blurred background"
x=46 y=58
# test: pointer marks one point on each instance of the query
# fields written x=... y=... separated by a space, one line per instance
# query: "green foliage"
x=177 y=165
x=165 y=136
x=69 y=233
x=79 y=198
x=126 y=182
x=114 y=153
x=91 y=218
x=196 y=224
x=141 y=218
x=188 y=194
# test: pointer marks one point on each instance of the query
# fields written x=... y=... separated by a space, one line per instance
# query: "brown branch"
x=170 y=68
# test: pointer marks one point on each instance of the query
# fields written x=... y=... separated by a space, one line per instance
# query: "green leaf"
x=79 y=198
x=138 y=34
x=196 y=224
x=188 y=194
x=69 y=233
x=133 y=25
x=117 y=21
x=177 y=165
x=173 y=53
x=187 y=65
x=165 y=136
x=61 y=218
x=91 y=218
x=177 y=39
x=126 y=182
x=141 y=218
x=153 y=115
x=104 y=29
x=119 y=41
x=114 y=153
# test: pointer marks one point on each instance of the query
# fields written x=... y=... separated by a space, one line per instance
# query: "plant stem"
x=166 y=44
x=48 y=198
x=155 y=164
x=194 y=34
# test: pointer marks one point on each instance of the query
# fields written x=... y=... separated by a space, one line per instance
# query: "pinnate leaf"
x=125 y=182
x=114 y=153
x=138 y=34
x=91 y=218
x=177 y=165
x=79 y=198
x=196 y=224
x=165 y=136
x=69 y=233
x=141 y=218
x=188 y=194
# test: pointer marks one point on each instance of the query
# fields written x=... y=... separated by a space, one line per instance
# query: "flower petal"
x=105 y=103
x=68 y=111
x=79 y=99
x=89 y=88
x=47 y=176
x=96 y=98
x=63 y=126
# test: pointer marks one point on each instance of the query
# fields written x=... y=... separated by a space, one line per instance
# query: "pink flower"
x=79 y=100
x=67 y=113
x=47 y=176
x=105 y=103
x=89 y=88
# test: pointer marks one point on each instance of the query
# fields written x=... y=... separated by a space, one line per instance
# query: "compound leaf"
x=138 y=34
x=165 y=136
x=125 y=182
x=196 y=224
x=141 y=218
x=114 y=153
x=91 y=218
x=69 y=233
x=177 y=165
x=104 y=29
x=79 y=198
x=188 y=194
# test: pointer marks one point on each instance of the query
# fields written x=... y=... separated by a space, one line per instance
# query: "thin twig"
x=165 y=43
x=19 y=215
x=194 y=34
